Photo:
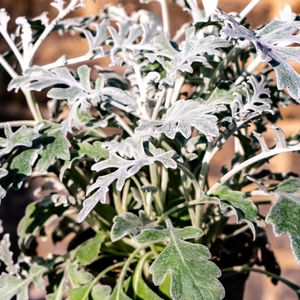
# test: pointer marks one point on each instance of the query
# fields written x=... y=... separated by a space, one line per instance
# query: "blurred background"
x=13 y=106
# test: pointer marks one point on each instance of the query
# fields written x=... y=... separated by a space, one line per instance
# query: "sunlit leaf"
x=6 y=255
x=284 y=213
x=11 y=285
x=181 y=117
x=125 y=169
x=271 y=43
x=129 y=224
x=22 y=137
x=244 y=209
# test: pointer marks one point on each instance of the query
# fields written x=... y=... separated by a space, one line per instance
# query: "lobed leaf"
x=257 y=100
x=55 y=146
x=125 y=169
x=7 y=256
x=11 y=285
x=271 y=44
x=78 y=277
x=284 y=213
x=22 y=137
x=181 y=117
x=78 y=93
x=245 y=210
x=129 y=223
x=192 y=275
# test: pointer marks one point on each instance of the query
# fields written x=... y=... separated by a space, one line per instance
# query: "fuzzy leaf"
x=125 y=169
x=79 y=94
x=78 y=277
x=284 y=213
x=11 y=285
x=129 y=223
x=88 y=291
x=181 y=117
x=20 y=166
x=245 y=209
x=132 y=36
x=118 y=294
x=22 y=137
x=193 y=276
x=95 y=151
x=56 y=145
x=271 y=44
x=89 y=250
x=290 y=185
x=257 y=100
x=193 y=49
x=6 y=255
x=140 y=289
x=3 y=173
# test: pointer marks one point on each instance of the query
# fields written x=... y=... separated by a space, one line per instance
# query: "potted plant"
x=123 y=160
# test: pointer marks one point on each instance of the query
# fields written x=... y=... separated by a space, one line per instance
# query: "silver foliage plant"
x=131 y=158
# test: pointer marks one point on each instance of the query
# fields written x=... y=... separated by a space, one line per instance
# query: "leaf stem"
x=250 y=161
x=224 y=63
x=72 y=6
x=28 y=123
x=290 y=284
x=165 y=16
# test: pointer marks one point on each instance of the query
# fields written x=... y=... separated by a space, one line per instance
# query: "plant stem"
x=125 y=267
x=250 y=161
x=158 y=104
x=165 y=16
x=181 y=206
x=290 y=284
x=72 y=6
x=247 y=9
x=13 y=47
x=224 y=63
x=28 y=123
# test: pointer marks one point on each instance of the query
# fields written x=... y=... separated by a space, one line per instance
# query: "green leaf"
x=118 y=294
x=290 y=185
x=11 y=285
x=284 y=213
x=193 y=276
x=36 y=216
x=129 y=224
x=139 y=288
x=22 y=137
x=56 y=145
x=224 y=93
x=90 y=291
x=20 y=166
x=245 y=209
x=100 y=292
x=95 y=151
x=181 y=117
x=78 y=277
x=89 y=250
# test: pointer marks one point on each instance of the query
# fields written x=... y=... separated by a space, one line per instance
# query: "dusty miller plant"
x=131 y=159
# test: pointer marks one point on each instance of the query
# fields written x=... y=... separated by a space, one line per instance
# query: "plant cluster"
x=126 y=169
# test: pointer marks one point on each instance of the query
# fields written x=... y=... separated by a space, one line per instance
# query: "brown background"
x=258 y=287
